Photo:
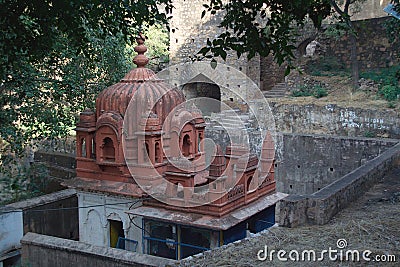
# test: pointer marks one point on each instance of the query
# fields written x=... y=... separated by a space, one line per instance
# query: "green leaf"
x=213 y=63
x=287 y=71
x=204 y=51
x=223 y=54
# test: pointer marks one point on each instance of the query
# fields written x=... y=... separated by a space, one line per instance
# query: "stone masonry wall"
x=270 y=73
x=373 y=47
x=371 y=9
x=60 y=166
x=332 y=119
x=189 y=33
x=320 y=207
x=48 y=251
x=307 y=163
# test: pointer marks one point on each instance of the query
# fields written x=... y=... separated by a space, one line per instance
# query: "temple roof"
x=151 y=91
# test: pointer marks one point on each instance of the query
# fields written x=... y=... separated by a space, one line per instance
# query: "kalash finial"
x=140 y=60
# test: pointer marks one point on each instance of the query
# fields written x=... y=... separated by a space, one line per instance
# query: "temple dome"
x=152 y=91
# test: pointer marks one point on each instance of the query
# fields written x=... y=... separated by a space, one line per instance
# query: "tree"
x=57 y=55
x=393 y=25
x=342 y=9
x=268 y=26
x=262 y=27
x=157 y=45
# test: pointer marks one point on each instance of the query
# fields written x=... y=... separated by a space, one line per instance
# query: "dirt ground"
x=371 y=223
x=341 y=93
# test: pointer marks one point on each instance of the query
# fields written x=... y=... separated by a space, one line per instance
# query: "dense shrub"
x=390 y=92
x=389 y=81
x=317 y=91
x=325 y=66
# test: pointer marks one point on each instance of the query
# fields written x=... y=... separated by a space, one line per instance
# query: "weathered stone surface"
x=373 y=47
x=321 y=206
x=332 y=119
x=307 y=163
x=48 y=251
x=63 y=160
x=189 y=33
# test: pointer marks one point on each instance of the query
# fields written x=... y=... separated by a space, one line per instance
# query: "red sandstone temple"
x=144 y=145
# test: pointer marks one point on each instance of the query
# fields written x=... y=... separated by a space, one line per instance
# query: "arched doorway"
x=200 y=88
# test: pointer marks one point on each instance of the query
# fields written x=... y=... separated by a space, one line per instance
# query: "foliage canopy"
x=262 y=27
x=269 y=26
x=57 y=55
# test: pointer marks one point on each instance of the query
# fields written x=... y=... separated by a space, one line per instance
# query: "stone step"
x=231 y=121
x=278 y=90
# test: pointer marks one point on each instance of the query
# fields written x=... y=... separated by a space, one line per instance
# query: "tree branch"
x=346 y=7
x=336 y=7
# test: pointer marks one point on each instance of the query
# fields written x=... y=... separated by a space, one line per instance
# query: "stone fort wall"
x=373 y=47
x=189 y=33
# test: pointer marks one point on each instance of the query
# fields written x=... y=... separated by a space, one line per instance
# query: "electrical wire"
x=72 y=208
x=141 y=228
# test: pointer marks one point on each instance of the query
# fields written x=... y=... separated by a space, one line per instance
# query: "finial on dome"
x=140 y=60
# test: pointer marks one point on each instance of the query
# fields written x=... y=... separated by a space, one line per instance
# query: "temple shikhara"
x=148 y=182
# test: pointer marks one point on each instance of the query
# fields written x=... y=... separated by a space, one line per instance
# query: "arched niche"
x=108 y=150
x=107 y=146
x=158 y=153
x=186 y=145
x=187 y=141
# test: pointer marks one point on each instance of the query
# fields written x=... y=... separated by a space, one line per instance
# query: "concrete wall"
x=332 y=119
x=94 y=225
x=53 y=214
x=48 y=251
x=307 y=163
x=320 y=207
x=11 y=230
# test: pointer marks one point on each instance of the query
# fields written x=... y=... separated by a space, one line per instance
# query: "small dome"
x=151 y=90
x=87 y=118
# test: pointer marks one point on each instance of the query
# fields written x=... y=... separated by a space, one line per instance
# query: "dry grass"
x=340 y=92
x=372 y=223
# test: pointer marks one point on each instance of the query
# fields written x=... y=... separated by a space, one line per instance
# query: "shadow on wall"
x=200 y=88
x=307 y=163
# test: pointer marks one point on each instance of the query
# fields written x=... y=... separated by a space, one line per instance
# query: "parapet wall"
x=48 y=251
x=54 y=214
x=332 y=119
x=320 y=207
x=307 y=163
x=60 y=166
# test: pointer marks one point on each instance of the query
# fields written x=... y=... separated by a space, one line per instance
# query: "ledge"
x=80 y=248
